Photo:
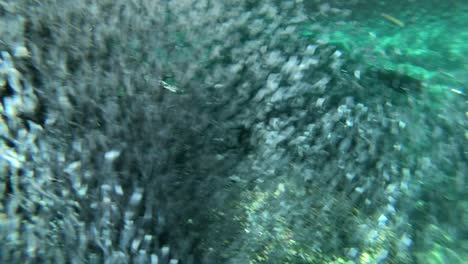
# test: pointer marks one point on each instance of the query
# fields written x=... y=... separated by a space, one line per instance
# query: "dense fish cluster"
x=201 y=132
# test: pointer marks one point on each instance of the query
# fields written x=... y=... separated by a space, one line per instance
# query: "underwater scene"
x=234 y=131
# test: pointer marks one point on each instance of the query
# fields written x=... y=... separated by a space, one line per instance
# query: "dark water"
x=233 y=131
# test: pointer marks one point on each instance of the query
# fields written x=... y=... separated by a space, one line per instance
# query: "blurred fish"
x=393 y=20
